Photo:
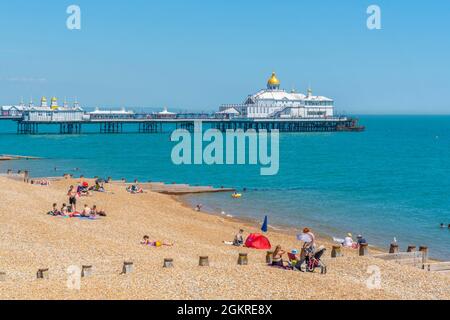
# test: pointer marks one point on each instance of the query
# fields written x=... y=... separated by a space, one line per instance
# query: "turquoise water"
x=390 y=181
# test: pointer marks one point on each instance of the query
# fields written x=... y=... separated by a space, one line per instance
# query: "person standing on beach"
x=72 y=194
x=309 y=247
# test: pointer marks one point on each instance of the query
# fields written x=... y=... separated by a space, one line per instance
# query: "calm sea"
x=393 y=180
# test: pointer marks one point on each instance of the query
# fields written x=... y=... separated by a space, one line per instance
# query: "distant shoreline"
x=7 y=157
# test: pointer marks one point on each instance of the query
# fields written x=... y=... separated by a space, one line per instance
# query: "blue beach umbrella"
x=265 y=224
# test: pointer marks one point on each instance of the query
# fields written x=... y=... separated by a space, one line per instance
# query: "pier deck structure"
x=160 y=125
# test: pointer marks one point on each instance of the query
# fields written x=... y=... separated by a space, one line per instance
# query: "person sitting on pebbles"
x=54 y=211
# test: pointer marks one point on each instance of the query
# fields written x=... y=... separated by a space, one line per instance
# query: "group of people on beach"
x=69 y=211
x=73 y=193
x=135 y=188
x=309 y=255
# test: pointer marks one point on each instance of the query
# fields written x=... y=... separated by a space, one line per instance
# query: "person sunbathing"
x=54 y=211
x=146 y=241
x=97 y=212
x=134 y=189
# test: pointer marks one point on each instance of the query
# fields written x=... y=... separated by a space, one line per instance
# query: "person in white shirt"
x=348 y=241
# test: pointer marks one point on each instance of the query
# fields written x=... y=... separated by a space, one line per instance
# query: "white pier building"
x=274 y=102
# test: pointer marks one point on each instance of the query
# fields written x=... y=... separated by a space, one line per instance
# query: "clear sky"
x=195 y=55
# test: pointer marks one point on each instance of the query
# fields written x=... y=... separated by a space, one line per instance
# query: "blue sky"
x=195 y=55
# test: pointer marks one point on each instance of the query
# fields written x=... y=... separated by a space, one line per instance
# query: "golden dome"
x=44 y=99
x=273 y=81
x=54 y=99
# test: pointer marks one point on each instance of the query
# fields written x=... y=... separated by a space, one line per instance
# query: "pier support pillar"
x=204 y=261
x=336 y=252
x=393 y=248
x=168 y=263
x=243 y=259
x=363 y=249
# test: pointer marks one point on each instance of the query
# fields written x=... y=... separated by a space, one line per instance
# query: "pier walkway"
x=152 y=125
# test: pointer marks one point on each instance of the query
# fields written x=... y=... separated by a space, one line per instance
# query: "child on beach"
x=64 y=210
x=146 y=241
x=54 y=211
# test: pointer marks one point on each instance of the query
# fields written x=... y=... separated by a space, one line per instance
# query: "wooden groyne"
x=176 y=189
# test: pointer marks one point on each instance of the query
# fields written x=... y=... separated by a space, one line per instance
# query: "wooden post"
x=363 y=249
x=393 y=248
x=203 y=262
x=411 y=249
x=269 y=256
x=424 y=251
x=42 y=274
x=336 y=252
x=323 y=269
x=168 y=263
x=86 y=271
x=2 y=276
x=243 y=259
x=127 y=267
x=26 y=176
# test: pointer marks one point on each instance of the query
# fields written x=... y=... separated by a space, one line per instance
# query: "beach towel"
x=257 y=241
x=340 y=241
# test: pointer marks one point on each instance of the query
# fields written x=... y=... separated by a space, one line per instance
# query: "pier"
x=161 y=125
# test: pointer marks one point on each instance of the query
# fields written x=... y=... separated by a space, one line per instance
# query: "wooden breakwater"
x=176 y=189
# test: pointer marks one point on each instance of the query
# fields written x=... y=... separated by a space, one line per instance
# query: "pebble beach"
x=31 y=240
